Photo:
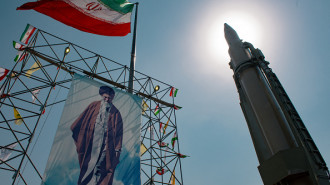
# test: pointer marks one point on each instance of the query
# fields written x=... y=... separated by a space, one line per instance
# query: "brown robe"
x=82 y=133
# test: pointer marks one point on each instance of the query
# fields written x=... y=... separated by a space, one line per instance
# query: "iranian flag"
x=157 y=110
x=27 y=34
x=20 y=56
x=102 y=17
x=174 y=138
x=18 y=46
x=174 y=91
x=3 y=73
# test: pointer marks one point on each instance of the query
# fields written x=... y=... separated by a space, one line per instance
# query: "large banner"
x=98 y=138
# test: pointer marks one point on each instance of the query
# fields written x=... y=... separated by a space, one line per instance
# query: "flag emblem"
x=93 y=6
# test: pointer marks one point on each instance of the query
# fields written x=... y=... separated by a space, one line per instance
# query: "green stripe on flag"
x=14 y=44
x=24 y=32
x=16 y=58
x=122 y=6
x=18 y=46
x=176 y=91
x=173 y=141
x=157 y=111
x=19 y=53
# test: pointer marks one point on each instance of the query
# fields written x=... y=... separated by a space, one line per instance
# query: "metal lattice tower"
x=53 y=71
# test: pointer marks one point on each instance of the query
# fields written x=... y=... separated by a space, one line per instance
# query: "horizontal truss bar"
x=30 y=50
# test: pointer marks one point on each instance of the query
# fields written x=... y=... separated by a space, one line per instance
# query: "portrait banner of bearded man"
x=98 y=138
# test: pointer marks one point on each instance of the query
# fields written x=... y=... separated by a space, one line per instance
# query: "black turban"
x=107 y=90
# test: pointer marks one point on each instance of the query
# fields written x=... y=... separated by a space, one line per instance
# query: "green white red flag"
x=102 y=17
x=157 y=110
x=173 y=91
x=3 y=73
x=27 y=34
x=18 y=46
x=20 y=56
x=174 y=138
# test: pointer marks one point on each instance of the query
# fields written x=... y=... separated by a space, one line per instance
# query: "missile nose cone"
x=230 y=34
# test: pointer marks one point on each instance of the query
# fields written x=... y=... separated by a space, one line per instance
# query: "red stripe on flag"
x=63 y=12
x=4 y=74
x=27 y=40
x=22 y=57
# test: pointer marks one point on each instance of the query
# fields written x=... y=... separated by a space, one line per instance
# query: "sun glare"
x=211 y=48
x=246 y=26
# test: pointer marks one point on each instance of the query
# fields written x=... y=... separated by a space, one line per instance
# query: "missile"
x=237 y=52
x=231 y=35
x=281 y=154
x=268 y=126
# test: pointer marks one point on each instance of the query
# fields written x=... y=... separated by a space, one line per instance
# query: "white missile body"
x=268 y=126
x=285 y=149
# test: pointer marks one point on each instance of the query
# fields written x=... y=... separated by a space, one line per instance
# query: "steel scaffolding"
x=35 y=90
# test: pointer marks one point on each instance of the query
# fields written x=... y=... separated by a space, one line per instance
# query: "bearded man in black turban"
x=98 y=135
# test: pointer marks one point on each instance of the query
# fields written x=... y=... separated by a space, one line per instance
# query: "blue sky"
x=182 y=43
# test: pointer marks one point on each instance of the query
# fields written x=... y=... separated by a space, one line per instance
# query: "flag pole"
x=132 y=65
